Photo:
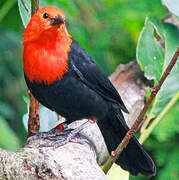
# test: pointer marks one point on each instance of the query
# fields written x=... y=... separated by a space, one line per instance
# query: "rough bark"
x=75 y=160
x=71 y=161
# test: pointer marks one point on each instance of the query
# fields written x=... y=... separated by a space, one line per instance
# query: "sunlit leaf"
x=25 y=11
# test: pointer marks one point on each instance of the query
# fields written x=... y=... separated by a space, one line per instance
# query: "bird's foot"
x=44 y=135
x=64 y=138
x=58 y=137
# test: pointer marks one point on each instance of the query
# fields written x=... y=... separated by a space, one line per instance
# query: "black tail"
x=133 y=158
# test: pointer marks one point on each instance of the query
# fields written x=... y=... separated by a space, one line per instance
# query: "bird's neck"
x=46 y=58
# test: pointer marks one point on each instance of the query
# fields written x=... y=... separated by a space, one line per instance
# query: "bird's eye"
x=45 y=15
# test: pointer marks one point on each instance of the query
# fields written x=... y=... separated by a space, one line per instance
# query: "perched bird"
x=63 y=77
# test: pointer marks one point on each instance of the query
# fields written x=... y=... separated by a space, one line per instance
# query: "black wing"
x=92 y=76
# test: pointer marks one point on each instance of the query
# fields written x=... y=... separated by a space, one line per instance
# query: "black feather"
x=92 y=76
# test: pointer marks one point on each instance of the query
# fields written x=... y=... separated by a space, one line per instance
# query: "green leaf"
x=172 y=5
x=150 y=54
x=156 y=46
x=8 y=138
x=25 y=11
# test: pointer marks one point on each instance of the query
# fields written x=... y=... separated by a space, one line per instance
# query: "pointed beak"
x=57 y=20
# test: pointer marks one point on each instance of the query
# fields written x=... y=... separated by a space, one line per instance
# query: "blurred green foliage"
x=109 y=31
x=8 y=138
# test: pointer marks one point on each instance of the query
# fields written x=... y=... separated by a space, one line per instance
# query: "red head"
x=47 y=19
x=46 y=46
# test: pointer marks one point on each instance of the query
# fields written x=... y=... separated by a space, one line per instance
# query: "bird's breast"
x=46 y=62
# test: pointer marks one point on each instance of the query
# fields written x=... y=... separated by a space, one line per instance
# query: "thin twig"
x=34 y=120
x=131 y=132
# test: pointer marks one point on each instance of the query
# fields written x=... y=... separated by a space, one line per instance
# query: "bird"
x=63 y=77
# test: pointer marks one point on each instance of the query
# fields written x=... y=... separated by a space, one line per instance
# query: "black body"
x=84 y=91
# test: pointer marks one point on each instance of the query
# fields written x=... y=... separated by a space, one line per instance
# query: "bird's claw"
x=52 y=134
x=57 y=137
x=55 y=142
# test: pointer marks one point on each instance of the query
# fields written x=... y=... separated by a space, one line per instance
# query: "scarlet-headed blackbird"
x=63 y=77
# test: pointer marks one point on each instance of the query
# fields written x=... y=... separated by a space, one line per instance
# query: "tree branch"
x=74 y=160
x=70 y=161
x=34 y=120
x=115 y=154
